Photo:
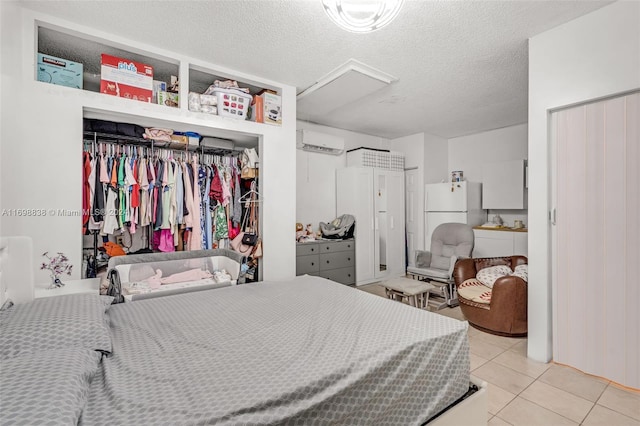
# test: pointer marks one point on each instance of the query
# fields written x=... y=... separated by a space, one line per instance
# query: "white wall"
x=9 y=54
x=436 y=157
x=469 y=154
x=593 y=56
x=316 y=177
x=413 y=148
x=41 y=146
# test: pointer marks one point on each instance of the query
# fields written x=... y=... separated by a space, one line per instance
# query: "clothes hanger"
x=252 y=191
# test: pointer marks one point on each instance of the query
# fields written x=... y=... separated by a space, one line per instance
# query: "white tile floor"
x=525 y=392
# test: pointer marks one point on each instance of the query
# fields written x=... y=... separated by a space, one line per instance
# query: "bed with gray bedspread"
x=308 y=351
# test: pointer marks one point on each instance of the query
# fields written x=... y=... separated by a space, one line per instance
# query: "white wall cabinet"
x=376 y=199
x=496 y=243
x=503 y=185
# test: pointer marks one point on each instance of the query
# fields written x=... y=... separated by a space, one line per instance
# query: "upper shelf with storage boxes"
x=84 y=62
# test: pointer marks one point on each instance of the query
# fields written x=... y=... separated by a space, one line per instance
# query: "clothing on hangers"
x=196 y=199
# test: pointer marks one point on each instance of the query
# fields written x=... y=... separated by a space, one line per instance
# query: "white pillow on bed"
x=71 y=321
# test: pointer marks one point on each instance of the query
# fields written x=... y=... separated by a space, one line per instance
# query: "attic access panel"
x=342 y=86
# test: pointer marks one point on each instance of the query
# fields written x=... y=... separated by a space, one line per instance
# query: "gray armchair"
x=449 y=242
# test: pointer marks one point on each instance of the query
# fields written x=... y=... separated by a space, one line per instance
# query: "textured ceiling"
x=461 y=65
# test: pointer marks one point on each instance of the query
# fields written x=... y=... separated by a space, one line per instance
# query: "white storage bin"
x=233 y=103
x=379 y=159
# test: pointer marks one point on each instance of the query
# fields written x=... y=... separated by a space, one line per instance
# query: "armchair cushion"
x=488 y=276
x=440 y=262
x=474 y=290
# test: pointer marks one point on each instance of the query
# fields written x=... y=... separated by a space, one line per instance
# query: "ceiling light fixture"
x=362 y=16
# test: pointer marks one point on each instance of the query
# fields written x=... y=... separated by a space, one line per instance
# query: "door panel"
x=596 y=238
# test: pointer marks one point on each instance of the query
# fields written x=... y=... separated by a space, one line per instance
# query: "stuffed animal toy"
x=300 y=233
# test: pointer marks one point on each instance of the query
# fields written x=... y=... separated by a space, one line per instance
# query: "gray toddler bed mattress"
x=307 y=351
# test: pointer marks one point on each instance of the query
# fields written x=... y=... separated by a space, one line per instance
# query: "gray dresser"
x=335 y=260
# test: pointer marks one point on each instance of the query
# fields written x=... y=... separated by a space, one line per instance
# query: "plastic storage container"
x=233 y=103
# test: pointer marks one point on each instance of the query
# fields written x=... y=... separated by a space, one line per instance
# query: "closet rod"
x=154 y=143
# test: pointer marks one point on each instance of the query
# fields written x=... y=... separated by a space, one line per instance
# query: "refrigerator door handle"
x=391 y=222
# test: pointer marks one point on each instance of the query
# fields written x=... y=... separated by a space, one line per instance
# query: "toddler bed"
x=305 y=351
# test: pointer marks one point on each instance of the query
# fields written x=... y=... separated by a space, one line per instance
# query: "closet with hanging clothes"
x=147 y=195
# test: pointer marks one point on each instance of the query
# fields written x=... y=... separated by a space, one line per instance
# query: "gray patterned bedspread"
x=307 y=351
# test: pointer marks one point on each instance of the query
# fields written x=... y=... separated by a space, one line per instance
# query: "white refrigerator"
x=459 y=202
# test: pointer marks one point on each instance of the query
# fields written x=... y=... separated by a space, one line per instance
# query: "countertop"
x=500 y=228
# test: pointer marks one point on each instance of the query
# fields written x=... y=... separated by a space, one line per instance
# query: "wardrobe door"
x=596 y=238
x=381 y=224
x=354 y=195
x=395 y=224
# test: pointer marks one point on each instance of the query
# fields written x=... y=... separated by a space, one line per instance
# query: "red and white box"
x=126 y=79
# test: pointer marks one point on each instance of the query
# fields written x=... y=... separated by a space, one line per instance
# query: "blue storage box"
x=59 y=71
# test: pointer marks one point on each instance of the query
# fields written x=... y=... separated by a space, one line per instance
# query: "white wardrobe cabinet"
x=376 y=199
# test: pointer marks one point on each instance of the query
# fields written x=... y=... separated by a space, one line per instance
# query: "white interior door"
x=596 y=238
x=413 y=212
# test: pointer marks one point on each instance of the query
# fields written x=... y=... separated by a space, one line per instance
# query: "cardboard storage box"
x=168 y=99
x=272 y=108
x=59 y=71
x=126 y=79
x=158 y=86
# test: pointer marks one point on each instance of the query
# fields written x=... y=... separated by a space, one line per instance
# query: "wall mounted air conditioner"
x=309 y=140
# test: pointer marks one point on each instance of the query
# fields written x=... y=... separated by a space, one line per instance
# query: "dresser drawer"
x=336 y=260
x=334 y=246
x=307 y=264
x=341 y=275
x=305 y=249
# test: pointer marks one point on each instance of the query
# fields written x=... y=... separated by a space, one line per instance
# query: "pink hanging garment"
x=155 y=242
x=166 y=241
x=195 y=241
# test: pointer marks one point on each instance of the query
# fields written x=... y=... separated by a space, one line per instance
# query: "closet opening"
x=159 y=189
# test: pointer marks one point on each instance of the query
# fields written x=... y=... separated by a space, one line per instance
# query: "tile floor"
x=525 y=392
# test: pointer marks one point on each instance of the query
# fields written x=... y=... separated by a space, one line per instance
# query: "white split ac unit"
x=309 y=140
